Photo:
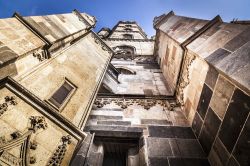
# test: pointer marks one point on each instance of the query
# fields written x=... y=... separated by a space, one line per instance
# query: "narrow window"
x=127 y=25
x=128 y=29
x=128 y=36
x=62 y=95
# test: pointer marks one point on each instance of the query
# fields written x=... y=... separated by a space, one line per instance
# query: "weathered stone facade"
x=69 y=96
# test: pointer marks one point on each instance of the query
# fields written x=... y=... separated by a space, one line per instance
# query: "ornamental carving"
x=125 y=103
x=21 y=142
x=58 y=155
x=99 y=42
x=9 y=100
x=41 y=55
x=37 y=122
x=184 y=78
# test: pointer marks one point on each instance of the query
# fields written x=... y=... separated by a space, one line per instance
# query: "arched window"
x=128 y=29
x=127 y=25
x=125 y=70
x=128 y=36
x=126 y=50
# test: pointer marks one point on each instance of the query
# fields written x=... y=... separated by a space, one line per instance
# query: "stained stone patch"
x=156 y=122
x=221 y=96
x=211 y=77
x=238 y=41
x=197 y=124
x=186 y=148
x=206 y=95
x=217 y=56
x=233 y=162
x=237 y=65
x=171 y=132
x=218 y=154
x=242 y=149
x=209 y=130
x=188 y=162
x=158 y=147
x=234 y=119
x=156 y=161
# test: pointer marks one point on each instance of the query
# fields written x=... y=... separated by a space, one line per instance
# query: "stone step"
x=115 y=131
x=105 y=117
x=156 y=122
x=108 y=113
x=173 y=161
x=108 y=109
x=171 y=132
x=114 y=122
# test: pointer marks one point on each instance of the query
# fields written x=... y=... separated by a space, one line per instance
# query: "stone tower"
x=70 y=96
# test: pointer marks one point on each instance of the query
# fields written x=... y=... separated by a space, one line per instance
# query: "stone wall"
x=170 y=58
x=83 y=64
x=214 y=86
x=37 y=55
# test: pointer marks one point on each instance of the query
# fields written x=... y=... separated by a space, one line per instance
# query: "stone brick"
x=204 y=101
x=211 y=77
x=171 y=132
x=189 y=148
x=234 y=119
x=242 y=149
x=209 y=130
x=221 y=96
x=188 y=162
x=197 y=124
x=158 y=161
x=218 y=154
x=158 y=147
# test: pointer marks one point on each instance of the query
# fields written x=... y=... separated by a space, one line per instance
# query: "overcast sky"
x=109 y=12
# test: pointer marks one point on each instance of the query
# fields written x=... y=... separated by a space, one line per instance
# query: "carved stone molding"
x=58 y=155
x=37 y=122
x=125 y=103
x=99 y=42
x=41 y=55
x=9 y=100
x=129 y=40
x=184 y=78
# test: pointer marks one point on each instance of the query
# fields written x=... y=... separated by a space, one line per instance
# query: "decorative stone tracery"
x=24 y=139
x=184 y=78
x=58 y=155
x=38 y=122
x=125 y=103
x=9 y=100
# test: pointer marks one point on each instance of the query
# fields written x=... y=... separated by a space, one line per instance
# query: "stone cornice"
x=98 y=40
x=78 y=14
x=136 y=96
x=129 y=40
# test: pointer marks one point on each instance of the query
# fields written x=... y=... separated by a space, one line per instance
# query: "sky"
x=109 y=12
